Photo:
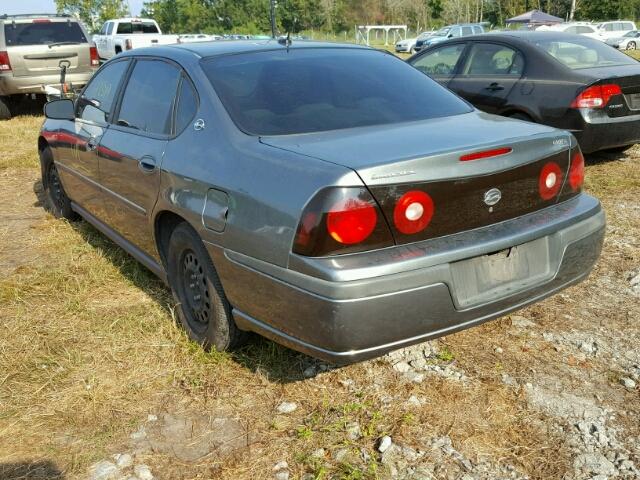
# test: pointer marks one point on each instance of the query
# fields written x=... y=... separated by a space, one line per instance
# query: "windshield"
x=632 y=33
x=442 y=32
x=306 y=90
x=137 y=27
x=43 y=33
x=584 y=53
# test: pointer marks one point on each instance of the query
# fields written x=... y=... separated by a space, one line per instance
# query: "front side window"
x=441 y=61
x=304 y=90
x=455 y=32
x=492 y=59
x=584 y=53
x=148 y=98
x=43 y=33
x=96 y=102
x=571 y=29
x=467 y=31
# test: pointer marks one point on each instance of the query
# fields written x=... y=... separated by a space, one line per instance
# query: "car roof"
x=29 y=17
x=527 y=36
x=224 y=47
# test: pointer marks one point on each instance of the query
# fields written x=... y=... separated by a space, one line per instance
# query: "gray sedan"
x=296 y=192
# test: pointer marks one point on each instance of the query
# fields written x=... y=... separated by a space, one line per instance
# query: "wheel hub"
x=195 y=288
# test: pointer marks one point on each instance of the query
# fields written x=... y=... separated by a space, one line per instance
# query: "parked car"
x=119 y=35
x=628 y=42
x=406 y=45
x=557 y=79
x=32 y=48
x=615 y=29
x=195 y=37
x=445 y=33
x=279 y=190
x=577 y=28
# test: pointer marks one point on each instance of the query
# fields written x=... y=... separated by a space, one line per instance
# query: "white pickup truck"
x=122 y=34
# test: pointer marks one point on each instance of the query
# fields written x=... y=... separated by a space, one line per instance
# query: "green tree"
x=93 y=12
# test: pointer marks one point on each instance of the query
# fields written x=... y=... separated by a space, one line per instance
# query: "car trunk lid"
x=627 y=77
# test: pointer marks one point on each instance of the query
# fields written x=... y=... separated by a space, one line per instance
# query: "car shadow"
x=259 y=355
x=37 y=470
x=605 y=157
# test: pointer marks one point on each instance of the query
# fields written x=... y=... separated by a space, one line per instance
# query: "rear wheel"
x=203 y=309
x=58 y=202
x=631 y=46
x=5 y=113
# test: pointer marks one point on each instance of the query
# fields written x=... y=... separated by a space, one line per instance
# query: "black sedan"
x=558 y=79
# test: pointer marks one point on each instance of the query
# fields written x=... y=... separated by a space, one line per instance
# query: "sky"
x=47 y=6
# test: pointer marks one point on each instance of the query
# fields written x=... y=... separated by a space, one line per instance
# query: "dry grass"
x=89 y=347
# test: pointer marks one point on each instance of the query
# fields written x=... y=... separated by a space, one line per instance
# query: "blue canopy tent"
x=535 y=17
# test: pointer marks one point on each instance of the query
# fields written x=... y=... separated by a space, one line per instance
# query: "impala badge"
x=493 y=196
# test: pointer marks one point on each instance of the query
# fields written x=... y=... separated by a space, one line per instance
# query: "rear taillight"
x=576 y=170
x=413 y=212
x=597 y=96
x=341 y=220
x=5 y=64
x=495 y=152
x=93 y=54
x=127 y=44
x=550 y=181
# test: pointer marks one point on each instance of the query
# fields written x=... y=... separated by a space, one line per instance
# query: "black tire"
x=5 y=112
x=631 y=46
x=203 y=309
x=58 y=202
x=521 y=116
x=118 y=50
x=622 y=149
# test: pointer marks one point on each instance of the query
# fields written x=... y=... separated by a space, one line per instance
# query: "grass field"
x=89 y=350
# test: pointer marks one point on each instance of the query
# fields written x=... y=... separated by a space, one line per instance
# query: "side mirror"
x=62 y=109
x=450 y=35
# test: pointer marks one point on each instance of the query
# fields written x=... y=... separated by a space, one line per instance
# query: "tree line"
x=336 y=16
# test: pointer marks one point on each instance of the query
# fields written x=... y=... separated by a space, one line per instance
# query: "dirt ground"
x=96 y=381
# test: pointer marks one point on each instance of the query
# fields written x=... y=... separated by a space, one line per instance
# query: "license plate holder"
x=491 y=277
x=633 y=100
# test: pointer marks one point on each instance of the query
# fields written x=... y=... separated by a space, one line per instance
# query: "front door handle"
x=147 y=164
x=92 y=144
x=494 y=87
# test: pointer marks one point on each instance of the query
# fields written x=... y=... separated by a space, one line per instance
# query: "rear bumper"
x=10 y=85
x=372 y=313
x=599 y=132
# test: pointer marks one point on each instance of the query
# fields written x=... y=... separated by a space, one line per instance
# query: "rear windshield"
x=584 y=53
x=43 y=33
x=137 y=27
x=305 y=90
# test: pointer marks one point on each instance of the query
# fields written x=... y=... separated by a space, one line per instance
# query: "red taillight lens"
x=576 y=171
x=93 y=54
x=351 y=221
x=550 y=180
x=341 y=220
x=496 y=152
x=5 y=64
x=413 y=212
x=597 y=96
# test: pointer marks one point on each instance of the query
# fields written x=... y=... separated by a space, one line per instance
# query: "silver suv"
x=32 y=48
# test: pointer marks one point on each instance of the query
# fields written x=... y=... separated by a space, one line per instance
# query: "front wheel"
x=203 y=309
x=58 y=202
x=631 y=46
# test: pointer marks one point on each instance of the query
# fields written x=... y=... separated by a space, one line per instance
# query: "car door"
x=131 y=151
x=440 y=63
x=489 y=73
x=78 y=140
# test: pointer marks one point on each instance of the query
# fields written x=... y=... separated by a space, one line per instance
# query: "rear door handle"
x=147 y=164
x=494 y=87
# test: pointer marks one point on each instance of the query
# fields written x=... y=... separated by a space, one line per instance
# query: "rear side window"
x=97 y=100
x=187 y=105
x=303 y=90
x=467 y=31
x=584 y=53
x=43 y=33
x=137 y=27
x=109 y=28
x=492 y=59
x=148 y=97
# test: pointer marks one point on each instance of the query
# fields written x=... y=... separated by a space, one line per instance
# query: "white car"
x=578 y=28
x=406 y=45
x=614 y=29
x=198 y=37
x=630 y=41
x=122 y=34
